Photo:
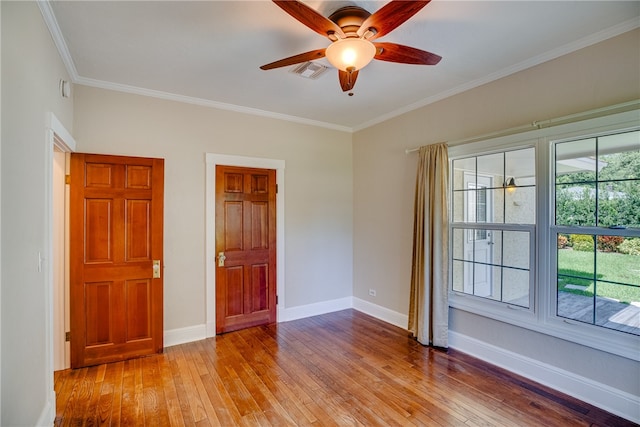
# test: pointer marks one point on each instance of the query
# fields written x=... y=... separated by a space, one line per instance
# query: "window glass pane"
x=576 y=161
x=618 y=205
x=520 y=205
x=486 y=205
x=482 y=278
x=615 y=308
x=576 y=263
x=494 y=290
x=515 y=288
x=462 y=167
x=599 y=284
x=458 y=205
x=576 y=204
x=470 y=206
x=482 y=205
x=458 y=243
x=576 y=305
x=492 y=167
x=495 y=244
x=516 y=249
x=478 y=200
x=620 y=156
x=615 y=266
x=458 y=276
x=521 y=166
x=576 y=269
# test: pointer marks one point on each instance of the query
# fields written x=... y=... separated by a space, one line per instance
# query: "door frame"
x=56 y=136
x=212 y=160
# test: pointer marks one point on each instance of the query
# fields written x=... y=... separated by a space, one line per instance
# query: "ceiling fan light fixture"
x=350 y=53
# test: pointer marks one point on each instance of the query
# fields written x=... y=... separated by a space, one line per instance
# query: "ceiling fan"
x=351 y=30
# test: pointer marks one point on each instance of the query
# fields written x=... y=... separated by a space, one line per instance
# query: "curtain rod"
x=591 y=114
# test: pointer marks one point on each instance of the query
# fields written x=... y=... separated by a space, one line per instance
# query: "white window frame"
x=541 y=316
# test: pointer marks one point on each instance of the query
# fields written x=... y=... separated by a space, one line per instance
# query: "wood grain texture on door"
x=245 y=247
x=116 y=216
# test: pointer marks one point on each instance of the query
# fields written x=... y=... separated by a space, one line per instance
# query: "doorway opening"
x=60 y=144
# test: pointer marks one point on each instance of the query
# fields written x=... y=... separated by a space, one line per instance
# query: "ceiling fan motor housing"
x=349 y=18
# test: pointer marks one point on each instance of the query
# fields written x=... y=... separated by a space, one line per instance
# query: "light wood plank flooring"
x=338 y=369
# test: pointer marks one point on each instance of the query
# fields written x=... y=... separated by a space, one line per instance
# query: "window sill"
x=609 y=341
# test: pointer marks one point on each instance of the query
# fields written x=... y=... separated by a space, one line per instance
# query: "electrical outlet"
x=372 y=292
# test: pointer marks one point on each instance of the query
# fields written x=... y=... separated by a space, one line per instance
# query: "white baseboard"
x=597 y=394
x=302 y=311
x=397 y=319
x=48 y=415
x=184 y=335
x=199 y=332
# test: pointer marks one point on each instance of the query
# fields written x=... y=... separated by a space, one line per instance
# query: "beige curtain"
x=429 y=305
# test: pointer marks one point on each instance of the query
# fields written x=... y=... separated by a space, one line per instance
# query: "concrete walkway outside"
x=609 y=313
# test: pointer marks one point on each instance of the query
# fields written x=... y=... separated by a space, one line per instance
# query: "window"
x=492 y=232
x=595 y=230
x=545 y=231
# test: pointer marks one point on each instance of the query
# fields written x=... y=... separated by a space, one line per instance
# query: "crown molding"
x=101 y=84
x=52 y=23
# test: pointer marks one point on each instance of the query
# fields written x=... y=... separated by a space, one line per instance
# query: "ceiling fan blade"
x=392 y=52
x=295 y=59
x=390 y=16
x=310 y=17
x=347 y=79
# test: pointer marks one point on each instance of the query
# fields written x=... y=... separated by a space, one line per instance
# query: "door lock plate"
x=156 y=268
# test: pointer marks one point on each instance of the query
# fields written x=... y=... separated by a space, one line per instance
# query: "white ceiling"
x=209 y=52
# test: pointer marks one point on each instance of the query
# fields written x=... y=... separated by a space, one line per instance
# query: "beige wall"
x=318 y=186
x=31 y=69
x=384 y=181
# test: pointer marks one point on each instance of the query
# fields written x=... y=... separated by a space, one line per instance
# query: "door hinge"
x=67 y=179
x=67 y=336
x=276 y=299
x=276 y=188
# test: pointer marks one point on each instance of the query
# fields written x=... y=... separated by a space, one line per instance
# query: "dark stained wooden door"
x=116 y=251
x=245 y=247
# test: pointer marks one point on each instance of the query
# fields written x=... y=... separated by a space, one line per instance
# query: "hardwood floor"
x=343 y=368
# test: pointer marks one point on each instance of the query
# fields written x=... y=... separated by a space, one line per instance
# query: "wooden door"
x=245 y=247
x=116 y=216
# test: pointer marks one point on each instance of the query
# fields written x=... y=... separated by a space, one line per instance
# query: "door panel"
x=98 y=305
x=116 y=233
x=246 y=236
x=138 y=300
x=138 y=234
x=98 y=216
